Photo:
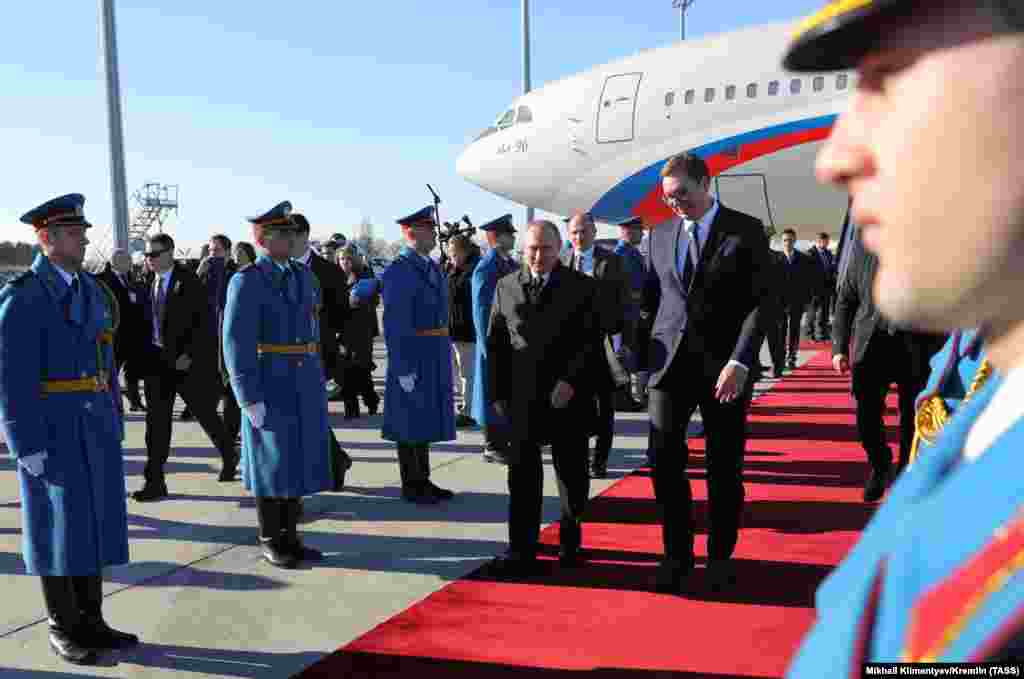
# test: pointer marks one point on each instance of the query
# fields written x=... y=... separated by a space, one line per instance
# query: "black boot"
x=89 y=595
x=290 y=533
x=570 y=532
x=66 y=631
x=269 y=511
x=342 y=463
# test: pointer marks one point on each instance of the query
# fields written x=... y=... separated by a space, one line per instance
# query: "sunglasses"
x=153 y=254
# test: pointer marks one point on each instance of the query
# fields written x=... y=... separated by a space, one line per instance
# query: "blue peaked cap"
x=632 y=223
x=63 y=211
x=424 y=215
x=279 y=214
x=502 y=224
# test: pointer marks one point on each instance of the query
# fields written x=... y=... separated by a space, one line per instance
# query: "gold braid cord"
x=932 y=415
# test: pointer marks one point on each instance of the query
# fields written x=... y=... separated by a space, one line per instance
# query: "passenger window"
x=841 y=81
x=751 y=90
x=773 y=88
x=819 y=83
x=795 y=85
x=730 y=92
x=506 y=120
x=670 y=98
x=690 y=95
x=709 y=95
x=525 y=115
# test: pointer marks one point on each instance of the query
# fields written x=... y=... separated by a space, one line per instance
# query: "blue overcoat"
x=74 y=518
x=416 y=299
x=923 y=581
x=488 y=270
x=953 y=370
x=288 y=456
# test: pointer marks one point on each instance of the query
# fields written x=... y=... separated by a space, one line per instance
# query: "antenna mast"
x=682 y=6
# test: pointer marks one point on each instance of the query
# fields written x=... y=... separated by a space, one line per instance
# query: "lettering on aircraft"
x=518 y=146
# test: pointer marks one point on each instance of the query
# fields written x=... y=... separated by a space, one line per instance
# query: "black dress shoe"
x=670 y=576
x=514 y=565
x=344 y=463
x=276 y=554
x=441 y=493
x=570 y=557
x=70 y=649
x=495 y=456
x=420 y=495
x=150 y=494
x=875 y=486
x=293 y=545
x=719 y=574
x=102 y=636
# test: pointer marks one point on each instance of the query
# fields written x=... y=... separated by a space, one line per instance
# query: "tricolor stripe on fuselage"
x=640 y=194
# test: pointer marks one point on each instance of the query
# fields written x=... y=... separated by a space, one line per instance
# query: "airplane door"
x=616 y=113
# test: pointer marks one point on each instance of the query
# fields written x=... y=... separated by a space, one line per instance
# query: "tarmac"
x=205 y=603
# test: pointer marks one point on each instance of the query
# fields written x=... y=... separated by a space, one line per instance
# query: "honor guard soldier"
x=959 y=371
x=418 y=401
x=271 y=350
x=937 y=575
x=501 y=236
x=629 y=345
x=62 y=425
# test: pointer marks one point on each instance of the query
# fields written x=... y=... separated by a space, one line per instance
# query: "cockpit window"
x=524 y=115
x=507 y=119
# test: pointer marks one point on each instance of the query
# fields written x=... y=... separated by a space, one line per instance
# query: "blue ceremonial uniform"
x=415 y=301
x=75 y=520
x=953 y=370
x=488 y=271
x=288 y=456
x=892 y=592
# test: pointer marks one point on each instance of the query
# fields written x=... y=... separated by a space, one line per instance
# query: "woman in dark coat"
x=465 y=256
x=358 y=331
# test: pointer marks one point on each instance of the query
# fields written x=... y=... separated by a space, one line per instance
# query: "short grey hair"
x=547 y=227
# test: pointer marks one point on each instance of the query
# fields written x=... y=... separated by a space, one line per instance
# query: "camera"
x=448 y=230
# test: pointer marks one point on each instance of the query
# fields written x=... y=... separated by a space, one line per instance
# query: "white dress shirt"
x=1002 y=412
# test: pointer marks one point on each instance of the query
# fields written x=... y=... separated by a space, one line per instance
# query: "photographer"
x=358 y=331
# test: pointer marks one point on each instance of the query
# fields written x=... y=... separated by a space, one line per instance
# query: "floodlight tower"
x=155 y=204
x=526 y=69
x=682 y=6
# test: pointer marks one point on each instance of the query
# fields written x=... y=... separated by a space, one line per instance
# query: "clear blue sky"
x=345 y=108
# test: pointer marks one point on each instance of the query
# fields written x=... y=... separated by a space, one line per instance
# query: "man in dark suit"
x=181 y=358
x=132 y=333
x=818 y=326
x=709 y=269
x=335 y=308
x=541 y=378
x=799 y=275
x=607 y=269
x=214 y=273
x=882 y=354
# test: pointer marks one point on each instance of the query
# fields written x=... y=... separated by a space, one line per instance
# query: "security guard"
x=501 y=236
x=929 y=149
x=60 y=417
x=271 y=351
x=959 y=371
x=418 y=408
x=628 y=344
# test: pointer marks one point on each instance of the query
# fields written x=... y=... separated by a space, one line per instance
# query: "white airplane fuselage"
x=597 y=140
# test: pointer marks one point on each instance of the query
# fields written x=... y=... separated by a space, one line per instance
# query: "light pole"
x=682 y=6
x=119 y=192
x=526 y=70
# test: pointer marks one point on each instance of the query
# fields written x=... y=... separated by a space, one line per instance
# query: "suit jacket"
x=796 y=280
x=857 y=314
x=188 y=326
x=612 y=288
x=133 y=331
x=215 y=280
x=719 y=319
x=529 y=351
x=826 y=270
x=335 y=307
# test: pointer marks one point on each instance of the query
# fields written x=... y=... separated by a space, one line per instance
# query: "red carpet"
x=804 y=475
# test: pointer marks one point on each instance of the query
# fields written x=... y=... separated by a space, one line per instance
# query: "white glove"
x=33 y=464
x=256 y=412
x=408 y=382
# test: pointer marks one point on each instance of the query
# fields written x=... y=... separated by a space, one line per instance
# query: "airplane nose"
x=468 y=165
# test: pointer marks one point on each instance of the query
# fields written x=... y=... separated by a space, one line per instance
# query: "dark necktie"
x=75 y=303
x=693 y=252
x=536 y=286
x=159 y=297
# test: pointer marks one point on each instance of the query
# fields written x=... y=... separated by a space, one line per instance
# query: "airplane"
x=597 y=140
